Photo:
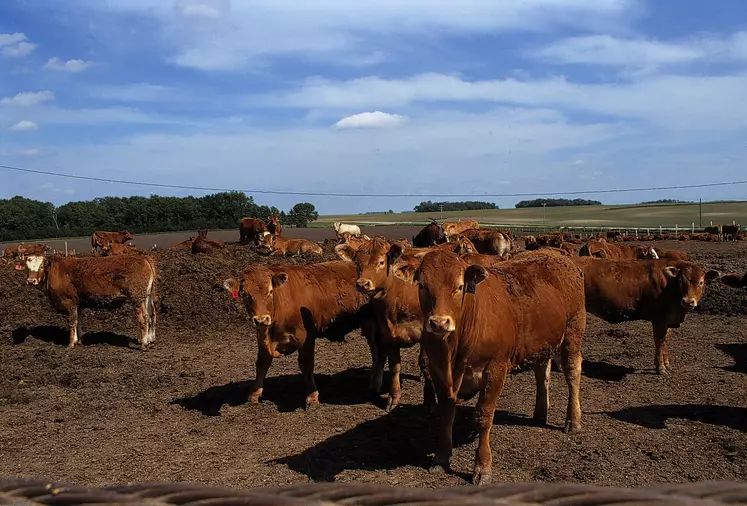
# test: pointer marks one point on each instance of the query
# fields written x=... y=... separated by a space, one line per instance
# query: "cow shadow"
x=406 y=436
x=656 y=416
x=605 y=371
x=287 y=392
x=61 y=337
x=738 y=352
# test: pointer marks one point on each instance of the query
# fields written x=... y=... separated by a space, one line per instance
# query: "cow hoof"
x=312 y=405
x=571 y=428
x=392 y=403
x=437 y=469
x=481 y=478
x=662 y=371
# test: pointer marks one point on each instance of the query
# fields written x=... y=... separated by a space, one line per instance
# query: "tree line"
x=467 y=205
x=556 y=203
x=27 y=219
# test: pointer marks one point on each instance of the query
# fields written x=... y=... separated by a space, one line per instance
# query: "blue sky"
x=374 y=96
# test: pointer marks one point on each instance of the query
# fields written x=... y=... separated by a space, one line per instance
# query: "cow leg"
x=152 y=317
x=142 y=320
x=429 y=392
x=264 y=361
x=446 y=410
x=394 y=354
x=373 y=338
x=661 y=359
x=73 y=323
x=571 y=359
x=542 y=401
x=492 y=385
x=306 y=364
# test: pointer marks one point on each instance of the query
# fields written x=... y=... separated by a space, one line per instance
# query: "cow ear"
x=345 y=252
x=712 y=275
x=406 y=273
x=474 y=275
x=394 y=253
x=231 y=284
x=671 y=271
x=279 y=279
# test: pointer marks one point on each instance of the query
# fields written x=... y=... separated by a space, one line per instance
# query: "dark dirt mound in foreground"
x=104 y=413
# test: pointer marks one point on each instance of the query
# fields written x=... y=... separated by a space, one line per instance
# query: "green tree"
x=302 y=214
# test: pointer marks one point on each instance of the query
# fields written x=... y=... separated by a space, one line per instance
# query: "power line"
x=372 y=195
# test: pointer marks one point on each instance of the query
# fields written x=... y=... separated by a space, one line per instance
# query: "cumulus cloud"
x=28 y=98
x=15 y=45
x=67 y=66
x=376 y=119
x=24 y=126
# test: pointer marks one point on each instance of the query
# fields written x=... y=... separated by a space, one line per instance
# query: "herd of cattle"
x=476 y=304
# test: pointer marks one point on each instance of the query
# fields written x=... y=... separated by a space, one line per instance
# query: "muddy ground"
x=107 y=412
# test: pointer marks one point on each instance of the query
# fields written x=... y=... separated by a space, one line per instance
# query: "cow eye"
x=381 y=263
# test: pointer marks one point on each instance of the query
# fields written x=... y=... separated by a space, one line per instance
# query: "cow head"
x=202 y=233
x=266 y=241
x=372 y=262
x=36 y=269
x=441 y=278
x=336 y=226
x=689 y=280
x=735 y=280
x=256 y=289
x=464 y=246
x=126 y=236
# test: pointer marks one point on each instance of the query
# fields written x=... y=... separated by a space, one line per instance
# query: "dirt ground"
x=107 y=412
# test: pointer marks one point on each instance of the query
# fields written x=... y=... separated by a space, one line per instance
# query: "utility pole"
x=441 y=206
x=544 y=207
x=700 y=222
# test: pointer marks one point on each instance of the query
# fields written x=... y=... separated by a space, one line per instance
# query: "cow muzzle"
x=689 y=303
x=262 y=320
x=365 y=286
x=440 y=324
x=32 y=281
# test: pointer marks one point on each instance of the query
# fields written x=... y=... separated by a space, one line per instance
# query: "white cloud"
x=67 y=66
x=28 y=98
x=609 y=50
x=218 y=35
x=136 y=92
x=24 y=126
x=29 y=152
x=676 y=102
x=15 y=45
x=370 y=119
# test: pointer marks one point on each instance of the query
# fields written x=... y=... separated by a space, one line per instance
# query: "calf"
x=489 y=242
x=24 y=250
x=431 y=235
x=612 y=251
x=291 y=306
x=671 y=254
x=251 y=229
x=658 y=291
x=454 y=228
x=479 y=324
x=273 y=225
x=201 y=244
x=395 y=303
x=279 y=246
x=114 y=249
x=341 y=228
x=72 y=284
x=99 y=239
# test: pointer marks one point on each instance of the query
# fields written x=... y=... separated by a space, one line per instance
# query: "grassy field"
x=622 y=216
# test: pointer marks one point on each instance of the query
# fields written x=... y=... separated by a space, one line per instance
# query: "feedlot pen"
x=106 y=413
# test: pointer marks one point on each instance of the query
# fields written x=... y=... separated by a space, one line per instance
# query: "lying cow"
x=431 y=235
x=658 y=291
x=251 y=229
x=452 y=229
x=292 y=306
x=735 y=280
x=279 y=246
x=115 y=248
x=395 y=303
x=201 y=244
x=616 y=251
x=341 y=228
x=489 y=242
x=72 y=284
x=24 y=250
x=99 y=239
x=479 y=324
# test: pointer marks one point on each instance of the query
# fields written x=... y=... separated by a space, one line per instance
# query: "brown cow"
x=72 y=284
x=279 y=246
x=479 y=324
x=672 y=254
x=489 y=242
x=115 y=248
x=730 y=231
x=291 y=306
x=454 y=228
x=24 y=250
x=613 y=251
x=273 y=225
x=251 y=229
x=187 y=243
x=99 y=239
x=201 y=244
x=714 y=230
x=735 y=280
x=395 y=303
x=431 y=235
x=658 y=291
